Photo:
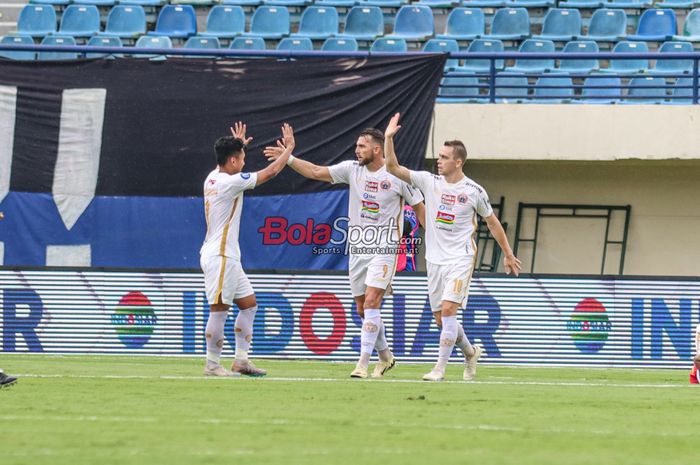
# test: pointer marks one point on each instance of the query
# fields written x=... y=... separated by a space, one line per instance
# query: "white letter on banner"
x=79 y=147
x=8 y=110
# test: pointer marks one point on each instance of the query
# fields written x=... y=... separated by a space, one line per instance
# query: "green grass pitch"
x=152 y=410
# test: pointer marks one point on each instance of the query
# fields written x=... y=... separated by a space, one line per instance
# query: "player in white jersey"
x=374 y=229
x=452 y=202
x=224 y=278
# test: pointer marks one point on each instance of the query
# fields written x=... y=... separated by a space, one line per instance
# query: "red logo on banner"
x=322 y=301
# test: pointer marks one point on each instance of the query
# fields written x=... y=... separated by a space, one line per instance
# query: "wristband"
x=290 y=160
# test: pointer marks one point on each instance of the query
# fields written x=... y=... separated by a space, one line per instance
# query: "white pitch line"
x=348 y=380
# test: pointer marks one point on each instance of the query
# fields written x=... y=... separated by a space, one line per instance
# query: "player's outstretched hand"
x=273 y=153
x=512 y=265
x=288 y=136
x=393 y=126
x=238 y=131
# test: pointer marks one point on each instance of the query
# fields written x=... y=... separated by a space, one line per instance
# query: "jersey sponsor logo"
x=245 y=175
x=445 y=218
x=462 y=199
x=212 y=181
x=385 y=185
x=448 y=199
x=371 y=186
x=368 y=196
x=370 y=207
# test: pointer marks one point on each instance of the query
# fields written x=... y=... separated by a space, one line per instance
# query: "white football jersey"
x=223 y=203
x=376 y=202
x=450 y=216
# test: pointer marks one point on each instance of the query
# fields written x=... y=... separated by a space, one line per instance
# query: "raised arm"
x=419 y=208
x=392 y=163
x=303 y=167
x=274 y=168
x=510 y=261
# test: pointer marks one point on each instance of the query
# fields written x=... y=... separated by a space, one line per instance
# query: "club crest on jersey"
x=445 y=218
x=448 y=199
x=371 y=186
x=462 y=199
x=212 y=181
x=385 y=185
x=245 y=175
x=370 y=207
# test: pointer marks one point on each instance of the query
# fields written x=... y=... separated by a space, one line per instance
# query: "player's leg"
x=6 y=380
x=357 y=272
x=216 y=271
x=243 y=328
x=457 y=285
x=435 y=291
x=373 y=302
x=448 y=336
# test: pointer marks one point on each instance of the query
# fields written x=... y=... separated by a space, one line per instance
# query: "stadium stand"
x=202 y=42
x=364 y=23
x=656 y=25
x=580 y=66
x=607 y=26
x=510 y=24
x=561 y=25
x=37 y=20
x=126 y=21
x=225 y=22
x=691 y=27
x=638 y=65
x=19 y=40
x=248 y=43
x=443 y=46
x=647 y=90
x=464 y=24
x=336 y=44
x=599 y=89
x=480 y=65
x=385 y=44
x=80 y=21
x=295 y=43
x=460 y=89
x=414 y=22
x=318 y=23
x=511 y=88
x=539 y=65
x=103 y=41
x=270 y=22
x=176 y=22
x=553 y=89
x=673 y=66
x=57 y=40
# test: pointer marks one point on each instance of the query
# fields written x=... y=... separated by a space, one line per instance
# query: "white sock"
x=244 y=331
x=382 y=344
x=214 y=334
x=448 y=336
x=370 y=333
x=463 y=342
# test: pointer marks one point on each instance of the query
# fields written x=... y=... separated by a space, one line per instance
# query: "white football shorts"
x=449 y=282
x=224 y=280
x=371 y=270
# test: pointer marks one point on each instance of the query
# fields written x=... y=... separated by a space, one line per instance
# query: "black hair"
x=226 y=147
x=375 y=135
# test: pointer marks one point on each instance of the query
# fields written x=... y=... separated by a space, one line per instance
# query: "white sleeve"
x=410 y=194
x=483 y=205
x=420 y=179
x=240 y=182
x=340 y=173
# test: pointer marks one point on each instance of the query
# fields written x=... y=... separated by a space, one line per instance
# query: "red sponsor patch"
x=371 y=186
x=448 y=199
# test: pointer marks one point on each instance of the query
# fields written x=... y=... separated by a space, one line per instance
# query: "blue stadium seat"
x=57 y=40
x=103 y=41
x=19 y=40
x=242 y=2
x=383 y=3
x=413 y=22
x=202 y=42
x=691 y=27
x=637 y=65
x=296 y=43
x=153 y=42
x=561 y=25
x=80 y=21
x=464 y=24
x=143 y=3
x=656 y=25
x=680 y=4
x=607 y=26
x=485 y=3
x=338 y=44
x=553 y=89
x=287 y=3
x=225 y=22
x=270 y=22
x=336 y=3
x=601 y=90
x=95 y=2
x=482 y=65
x=176 y=21
x=510 y=24
x=318 y=23
x=439 y=3
x=511 y=89
x=629 y=4
x=126 y=21
x=194 y=3
x=531 y=3
x=682 y=91
x=385 y=44
x=50 y=2
x=458 y=89
x=539 y=65
x=443 y=46
x=582 y=66
x=364 y=23
x=248 y=43
x=582 y=4
x=36 y=20
x=674 y=66
x=647 y=89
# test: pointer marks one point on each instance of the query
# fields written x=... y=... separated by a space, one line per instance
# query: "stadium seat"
x=296 y=43
x=682 y=92
x=385 y=44
x=561 y=25
x=19 y=40
x=691 y=27
x=318 y=23
x=270 y=22
x=680 y=4
x=36 y=20
x=485 y=3
x=531 y=3
x=225 y=22
x=143 y=3
x=242 y=3
x=539 y=65
x=287 y=3
x=364 y=23
x=582 y=66
x=126 y=21
x=647 y=89
x=58 y=40
x=464 y=24
x=629 y=4
x=336 y=3
x=248 y=43
x=511 y=89
x=50 y=2
x=458 y=89
x=176 y=21
x=383 y=3
x=413 y=22
x=601 y=90
x=674 y=66
x=103 y=41
x=80 y=21
x=553 y=89
x=196 y=3
x=443 y=46
x=337 y=44
x=482 y=65
x=582 y=4
x=630 y=66
x=202 y=42
x=656 y=25
x=153 y=42
x=95 y=2
x=607 y=26
x=439 y=3
x=510 y=24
